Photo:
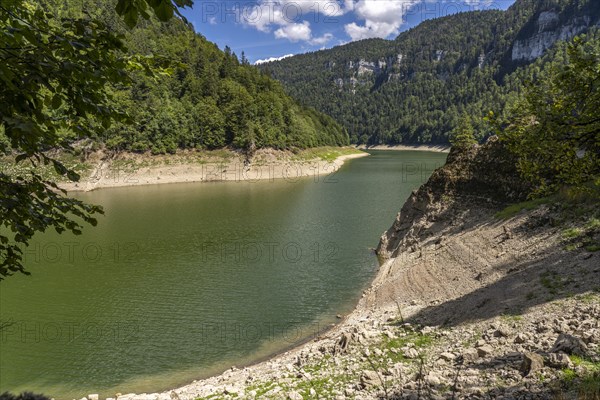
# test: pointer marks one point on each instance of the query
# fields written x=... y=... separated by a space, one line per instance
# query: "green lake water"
x=181 y=281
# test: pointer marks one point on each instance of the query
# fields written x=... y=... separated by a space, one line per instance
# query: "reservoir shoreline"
x=127 y=170
x=404 y=147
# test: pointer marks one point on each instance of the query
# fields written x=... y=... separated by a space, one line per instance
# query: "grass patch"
x=592 y=248
x=588 y=298
x=418 y=340
x=589 y=387
x=593 y=224
x=261 y=388
x=552 y=281
x=572 y=233
x=585 y=384
x=323 y=386
x=511 y=317
x=514 y=209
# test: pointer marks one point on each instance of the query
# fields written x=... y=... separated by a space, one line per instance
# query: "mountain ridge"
x=414 y=88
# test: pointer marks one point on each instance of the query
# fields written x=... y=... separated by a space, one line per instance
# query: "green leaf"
x=56 y=101
x=164 y=11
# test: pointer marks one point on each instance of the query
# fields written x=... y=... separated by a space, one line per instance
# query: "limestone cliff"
x=548 y=29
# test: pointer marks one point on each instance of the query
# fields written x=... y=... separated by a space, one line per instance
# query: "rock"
x=92 y=396
x=293 y=395
x=520 y=338
x=427 y=330
x=341 y=345
x=559 y=360
x=470 y=355
x=447 y=356
x=531 y=363
x=485 y=350
x=570 y=344
x=433 y=379
x=174 y=395
x=411 y=353
x=501 y=332
x=369 y=378
x=231 y=390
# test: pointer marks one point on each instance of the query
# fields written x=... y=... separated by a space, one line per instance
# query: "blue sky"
x=274 y=28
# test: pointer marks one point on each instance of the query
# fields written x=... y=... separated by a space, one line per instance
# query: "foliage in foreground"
x=554 y=129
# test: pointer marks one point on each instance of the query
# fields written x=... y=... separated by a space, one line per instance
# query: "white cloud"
x=382 y=18
x=287 y=18
x=484 y=3
x=321 y=39
x=294 y=32
x=266 y=60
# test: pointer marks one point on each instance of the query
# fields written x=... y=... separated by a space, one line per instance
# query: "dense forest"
x=418 y=87
x=204 y=97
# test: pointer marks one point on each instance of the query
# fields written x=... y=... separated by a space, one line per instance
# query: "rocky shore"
x=473 y=301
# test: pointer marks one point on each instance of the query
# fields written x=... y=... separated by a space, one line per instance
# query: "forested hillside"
x=209 y=99
x=420 y=86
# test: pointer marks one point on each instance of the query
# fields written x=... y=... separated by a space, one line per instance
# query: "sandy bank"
x=424 y=147
x=267 y=164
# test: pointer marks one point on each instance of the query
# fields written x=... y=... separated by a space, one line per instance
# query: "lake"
x=181 y=281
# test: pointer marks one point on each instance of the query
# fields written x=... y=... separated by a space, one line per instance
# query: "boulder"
x=520 y=338
x=485 y=350
x=446 y=356
x=470 y=355
x=293 y=395
x=411 y=353
x=559 y=360
x=570 y=344
x=341 y=346
x=369 y=378
x=531 y=363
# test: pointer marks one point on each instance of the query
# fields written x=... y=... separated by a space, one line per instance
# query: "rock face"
x=548 y=31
